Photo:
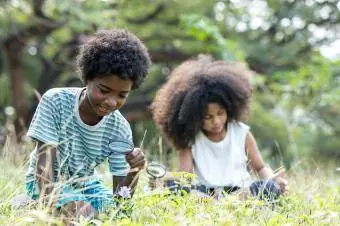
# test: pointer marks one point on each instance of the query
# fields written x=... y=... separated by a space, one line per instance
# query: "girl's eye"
x=123 y=95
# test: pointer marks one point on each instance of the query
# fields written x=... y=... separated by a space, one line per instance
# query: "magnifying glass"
x=156 y=170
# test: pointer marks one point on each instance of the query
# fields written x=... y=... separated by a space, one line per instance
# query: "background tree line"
x=296 y=104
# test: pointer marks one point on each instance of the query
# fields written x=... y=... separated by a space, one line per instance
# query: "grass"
x=314 y=199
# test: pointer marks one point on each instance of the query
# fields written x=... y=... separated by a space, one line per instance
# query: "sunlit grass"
x=314 y=199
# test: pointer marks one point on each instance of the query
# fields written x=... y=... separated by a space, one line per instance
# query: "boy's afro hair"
x=114 y=52
x=180 y=105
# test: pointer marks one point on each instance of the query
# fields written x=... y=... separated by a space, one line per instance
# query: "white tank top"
x=222 y=163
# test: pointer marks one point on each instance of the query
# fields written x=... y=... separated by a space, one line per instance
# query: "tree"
x=51 y=32
x=280 y=35
x=14 y=45
x=277 y=39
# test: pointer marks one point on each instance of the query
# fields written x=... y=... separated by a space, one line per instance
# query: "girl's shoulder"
x=238 y=125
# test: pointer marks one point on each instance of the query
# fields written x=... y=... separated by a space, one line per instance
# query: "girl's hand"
x=283 y=184
x=136 y=160
x=278 y=177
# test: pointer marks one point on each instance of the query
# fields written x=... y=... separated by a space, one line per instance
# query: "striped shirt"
x=80 y=147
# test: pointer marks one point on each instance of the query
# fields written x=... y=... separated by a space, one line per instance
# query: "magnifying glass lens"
x=156 y=170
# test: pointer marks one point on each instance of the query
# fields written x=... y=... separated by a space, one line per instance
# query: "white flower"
x=147 y=189
x=124 y=192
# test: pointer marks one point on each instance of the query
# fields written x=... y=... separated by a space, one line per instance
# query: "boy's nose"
x=112 y=102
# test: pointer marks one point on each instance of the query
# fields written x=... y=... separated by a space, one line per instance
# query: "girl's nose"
x=216 y=120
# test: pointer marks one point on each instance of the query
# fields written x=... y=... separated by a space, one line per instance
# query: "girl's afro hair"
x=181 y=103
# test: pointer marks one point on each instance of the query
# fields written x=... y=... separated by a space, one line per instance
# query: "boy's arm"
x=46 y=155
x=130 y=181
x=136 y=160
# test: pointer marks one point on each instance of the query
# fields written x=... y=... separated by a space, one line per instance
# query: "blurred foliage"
x=296 y=90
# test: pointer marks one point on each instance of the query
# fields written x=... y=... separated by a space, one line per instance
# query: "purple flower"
x=124 y=192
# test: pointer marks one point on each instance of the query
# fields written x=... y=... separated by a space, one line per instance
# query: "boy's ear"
x=85 y=81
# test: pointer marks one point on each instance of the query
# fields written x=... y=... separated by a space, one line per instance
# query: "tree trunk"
x=14 y=44
x=13 y=52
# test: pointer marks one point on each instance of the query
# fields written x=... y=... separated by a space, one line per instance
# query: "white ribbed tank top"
x=222 y=163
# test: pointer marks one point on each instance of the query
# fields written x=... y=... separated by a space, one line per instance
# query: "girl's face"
x=107 y=93
x=215 y=119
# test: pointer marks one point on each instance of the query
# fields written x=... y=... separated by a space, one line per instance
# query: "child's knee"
x=77 y=205
x=79 y=208
x=76 y=209
x=86 y=210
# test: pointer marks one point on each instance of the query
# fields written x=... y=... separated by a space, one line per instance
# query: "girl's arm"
x=186 y=160
x=46 y=155
x=255 y=158
x=257 y=163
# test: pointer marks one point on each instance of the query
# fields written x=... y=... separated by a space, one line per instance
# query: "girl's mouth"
x=217 y=128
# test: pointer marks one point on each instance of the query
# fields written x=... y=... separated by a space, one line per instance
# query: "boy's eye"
x=123 y=95
x=104 y=91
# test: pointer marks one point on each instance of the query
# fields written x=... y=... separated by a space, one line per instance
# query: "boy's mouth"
x=103 y=110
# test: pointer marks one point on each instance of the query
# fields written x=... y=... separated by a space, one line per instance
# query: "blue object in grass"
x=93 y=192
x=265 y=189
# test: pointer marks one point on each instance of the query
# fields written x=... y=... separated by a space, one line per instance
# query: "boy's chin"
x=102 y=113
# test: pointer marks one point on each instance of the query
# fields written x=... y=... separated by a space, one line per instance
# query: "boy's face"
x=215 y=119
x=107 y=93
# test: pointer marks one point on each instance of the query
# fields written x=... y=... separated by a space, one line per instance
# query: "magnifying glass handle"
x=134 y=170
x=133 y=152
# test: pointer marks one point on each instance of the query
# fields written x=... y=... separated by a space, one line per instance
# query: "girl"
x=200 y=110
x=77 y=129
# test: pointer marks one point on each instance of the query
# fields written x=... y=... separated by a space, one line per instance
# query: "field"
x=314 y=199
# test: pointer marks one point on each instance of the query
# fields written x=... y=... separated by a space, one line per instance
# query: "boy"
x=76 y=129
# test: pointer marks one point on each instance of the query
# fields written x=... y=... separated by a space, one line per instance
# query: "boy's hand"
x=136 y=160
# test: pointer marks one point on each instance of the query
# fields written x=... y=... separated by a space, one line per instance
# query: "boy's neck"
x=86 y=113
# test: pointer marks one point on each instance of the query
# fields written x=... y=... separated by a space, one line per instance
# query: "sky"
x=331 y=51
